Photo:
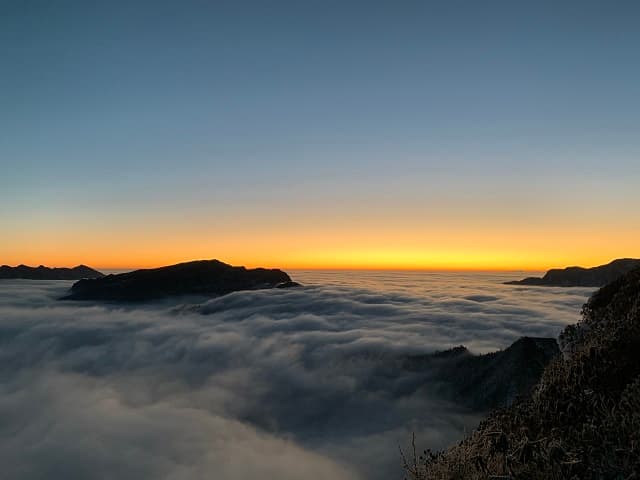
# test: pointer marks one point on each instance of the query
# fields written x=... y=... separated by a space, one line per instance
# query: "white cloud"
x=300 y=383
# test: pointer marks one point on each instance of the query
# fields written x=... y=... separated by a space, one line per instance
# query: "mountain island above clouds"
x=582 y=277
x=46 y=273
x=200 y=277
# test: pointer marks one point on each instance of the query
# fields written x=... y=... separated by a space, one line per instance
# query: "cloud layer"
x=300 y=383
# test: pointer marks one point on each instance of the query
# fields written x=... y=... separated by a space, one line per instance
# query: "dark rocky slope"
x=482 y=382
x=47 y=273
x=202 y=277
x=582 y=277
x=583 y=419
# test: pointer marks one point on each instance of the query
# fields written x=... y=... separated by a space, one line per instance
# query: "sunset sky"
x=320 y=134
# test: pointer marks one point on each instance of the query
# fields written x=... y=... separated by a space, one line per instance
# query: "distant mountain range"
x=47 y=273
x=201 y=277
x=582 y=277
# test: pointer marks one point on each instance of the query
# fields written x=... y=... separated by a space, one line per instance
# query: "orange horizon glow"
x=346 y=259
x=312 y=267
x=380 y=262
x=353 y=243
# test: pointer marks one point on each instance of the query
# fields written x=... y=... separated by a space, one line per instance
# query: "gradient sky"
x=320 y=133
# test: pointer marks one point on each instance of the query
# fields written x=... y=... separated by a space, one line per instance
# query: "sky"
x=320 y=134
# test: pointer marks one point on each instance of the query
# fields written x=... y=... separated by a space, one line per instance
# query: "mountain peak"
x=198 y=277
x=42 y=272
x=582 y=277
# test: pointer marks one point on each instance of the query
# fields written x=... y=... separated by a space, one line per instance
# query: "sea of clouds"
x=273 y=384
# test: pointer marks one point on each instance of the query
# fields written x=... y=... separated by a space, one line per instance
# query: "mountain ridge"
x=198 y=277
x=581 y=277
x=582 y=419
x=41 y=272
x=490 y=380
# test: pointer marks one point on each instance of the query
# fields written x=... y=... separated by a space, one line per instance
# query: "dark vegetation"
x=202 y=277
x=483 y=382
x=582 y=420
x=47 y=273
x=582 y=277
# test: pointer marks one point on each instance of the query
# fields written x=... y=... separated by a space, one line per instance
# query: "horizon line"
x=329 y=267
x=356 y=269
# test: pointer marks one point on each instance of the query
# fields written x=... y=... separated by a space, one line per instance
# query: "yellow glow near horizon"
x=312 y=248
x=374 y=232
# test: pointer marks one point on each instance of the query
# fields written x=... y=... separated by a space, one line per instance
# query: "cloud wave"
x=300 y=383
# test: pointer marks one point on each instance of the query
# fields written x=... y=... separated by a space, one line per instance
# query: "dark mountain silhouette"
x=202 y=277
x=47 y=273
x=582 y=277
x=482 y=382
x=583 y=418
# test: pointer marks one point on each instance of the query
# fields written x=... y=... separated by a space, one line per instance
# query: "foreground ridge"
x=583 y=419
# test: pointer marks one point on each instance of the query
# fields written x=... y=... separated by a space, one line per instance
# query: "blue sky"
x=131 y=109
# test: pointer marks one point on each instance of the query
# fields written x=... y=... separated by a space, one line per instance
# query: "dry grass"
x=583 y=420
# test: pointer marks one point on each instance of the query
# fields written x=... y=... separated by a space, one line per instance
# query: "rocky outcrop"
x=583 y=418
x=203 y=277
x=582 y=277
x=482 y=382
x=47 y=273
